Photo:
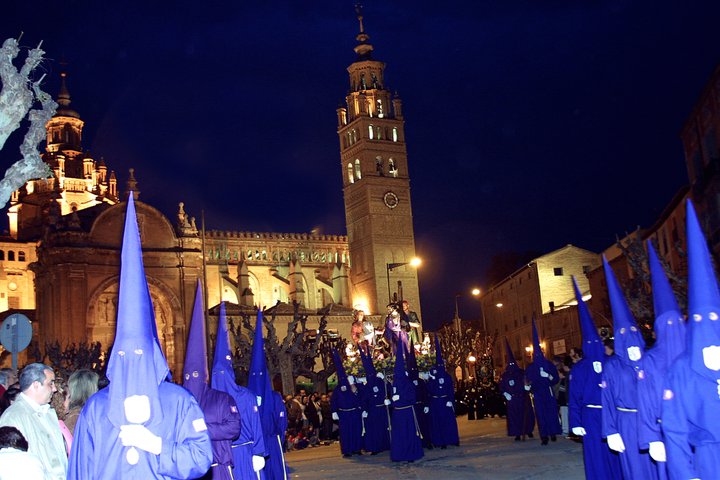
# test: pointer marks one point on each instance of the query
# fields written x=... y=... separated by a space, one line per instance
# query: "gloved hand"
x=364 y=414
x=335 y=416
x=449 y=404
x=527 y=387
x=657 y=451
x=258 y=463
x=615 y=442
x=507 y=396
x=387 y=401
x=579 y=431
x=426 y=409
x=139 y=436
x=543 y=373
x=380 y=375
x=396 y=398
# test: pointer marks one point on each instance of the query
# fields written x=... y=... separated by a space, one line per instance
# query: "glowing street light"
x=414 y=262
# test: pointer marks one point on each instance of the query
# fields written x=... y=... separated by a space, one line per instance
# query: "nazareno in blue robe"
x=99 y=454
x=346 y=403
x=546 y=408
x=377 y=423
x=406 y=444
x=443 y=423
x=276 y=467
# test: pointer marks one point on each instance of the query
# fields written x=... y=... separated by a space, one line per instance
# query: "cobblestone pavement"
x=485 y=452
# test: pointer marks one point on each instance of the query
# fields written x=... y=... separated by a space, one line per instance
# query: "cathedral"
x=59 y=262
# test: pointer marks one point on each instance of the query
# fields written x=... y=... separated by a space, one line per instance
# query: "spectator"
x=9 y=397
x=81 y=385
x=15 y=461
x=32 y=415
x=7 y=378
x=326 y=426
x=57 y=402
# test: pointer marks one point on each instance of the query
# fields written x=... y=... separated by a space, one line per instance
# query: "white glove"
x=449 y=404
x=543 y=373
x=426 y=409
x=387 y=401
x=396 y=398
x=364 y=414
x=335 y=416
x=258 y=463
x=657 y=451
x=380 y=375
x=507 y=396
x=139 y=436
x=579 y=431
x=527 y=387
x=615 y=442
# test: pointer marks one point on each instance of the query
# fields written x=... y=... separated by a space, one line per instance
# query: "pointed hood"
x=223 y=374
x=136 y=366
x=195 y=370
x=411 y=361
x=259 y=379
x=439 y=361
x=367 y=362
x=703 y=301
x=537 y=351
x=509 y=353
x=399 y=371
x=629 y=343
x=669 y=325
x=592 y=345
x=340 y=369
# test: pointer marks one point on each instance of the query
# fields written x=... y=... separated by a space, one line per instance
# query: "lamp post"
x=415 y=262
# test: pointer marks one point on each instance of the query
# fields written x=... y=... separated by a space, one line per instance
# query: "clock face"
x=391 y=200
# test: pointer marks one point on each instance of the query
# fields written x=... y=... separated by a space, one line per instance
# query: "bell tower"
x=376 y=186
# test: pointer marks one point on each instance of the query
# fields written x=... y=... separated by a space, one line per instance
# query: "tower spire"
x=363 y=48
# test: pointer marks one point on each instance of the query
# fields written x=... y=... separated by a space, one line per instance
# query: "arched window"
x=379 y=133
x=21 y=256
x=2 y=254
x=358 y=172
x=11 y=255
x=371 y=132
x=354 y=135
x=392 y=168
x=379 y=107
x=379 y=167
x=351 y=178
x=395 y=134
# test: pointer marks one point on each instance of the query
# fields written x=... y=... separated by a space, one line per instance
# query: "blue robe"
x=98 y=453
x=422 y=402
x=546 y=408
x=276 y=467
x=691 y=422
x=223 y=422
x=346 y=404
x=377 y=423
x=406 y=445
x=620 y=405
x=520 y=413
x=443 y=423
x=585 y=410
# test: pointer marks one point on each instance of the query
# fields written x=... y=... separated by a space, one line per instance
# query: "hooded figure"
x=443 y=423
x=346 y=409
x=375 y=405
x=669 y=329
x=406 y=444
x=273 y=415
x=520 y=413
x=221 y=412
x=691 y=399
x=586 y=399
x=619 y=386
x=249 y=448
x=422 y=401
x=542 y=375
x=140 y=426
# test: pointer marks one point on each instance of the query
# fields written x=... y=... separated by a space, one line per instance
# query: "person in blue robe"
x=520 y=415
x=443 y=422
x=249 y=448
x=541 y=374
x=585 y=402
x=280 y=470
x=139 y=426
x=376 y=410
x=406 y=443
x=220 y=410
x=619 y=387
x=422 y=400
x=259 y=384
x=669 y=328
x=347 y=410
x=691 y=398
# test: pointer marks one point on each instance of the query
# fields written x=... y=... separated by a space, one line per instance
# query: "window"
x=21 y=256
x=380 y=112
x=11 y=255
x=358 y=173
x=2 y=254
x=395 y=134
x=371 y=132
x=558 y=271
x=392 y=168
x=586 y=269
x=351 y=178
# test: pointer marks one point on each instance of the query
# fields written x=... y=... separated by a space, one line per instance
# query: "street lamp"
x=415 y=262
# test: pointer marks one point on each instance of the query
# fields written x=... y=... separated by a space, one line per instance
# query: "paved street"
x=484 y=453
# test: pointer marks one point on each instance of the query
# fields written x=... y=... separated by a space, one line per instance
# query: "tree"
x=72 y=357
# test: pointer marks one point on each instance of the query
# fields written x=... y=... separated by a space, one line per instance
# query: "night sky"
x=529 y=124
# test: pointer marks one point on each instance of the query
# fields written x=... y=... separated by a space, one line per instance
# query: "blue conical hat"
x=195 y=370
x=223 y=374
x=669 y=325
x=627 y=334
x=703 y=297
x=509 y=353
x=367 y=362
x=340 y=373
x=399 y=370
x=438 y=353
x=136 y=365
x=259 y=379
x=537 y=351
x=593 y=348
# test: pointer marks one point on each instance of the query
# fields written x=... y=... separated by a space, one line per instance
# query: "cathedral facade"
x=69 y=228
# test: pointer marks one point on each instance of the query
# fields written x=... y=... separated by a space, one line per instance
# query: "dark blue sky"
x=529 y=125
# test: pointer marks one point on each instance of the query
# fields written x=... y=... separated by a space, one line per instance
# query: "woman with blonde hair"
x=81 y=385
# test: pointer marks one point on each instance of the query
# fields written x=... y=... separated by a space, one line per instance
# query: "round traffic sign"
x=16 y=332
